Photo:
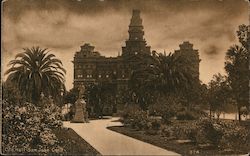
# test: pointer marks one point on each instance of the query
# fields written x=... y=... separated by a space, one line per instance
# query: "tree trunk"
x=239 y=113
x=210 y=112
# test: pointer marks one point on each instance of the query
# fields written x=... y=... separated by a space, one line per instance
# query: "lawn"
x=73 y=143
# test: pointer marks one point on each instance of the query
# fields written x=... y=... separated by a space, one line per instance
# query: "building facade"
x=91 y=67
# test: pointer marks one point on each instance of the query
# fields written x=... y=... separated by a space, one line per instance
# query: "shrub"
x=224 y=134
x=28 y=129
x=165 y=111
x=138 y=119
x=209 y=132
x=234 y=135
x=167 y=131
x=156 y=124
x=187 y=115
x=184 y=130
x=135 y=117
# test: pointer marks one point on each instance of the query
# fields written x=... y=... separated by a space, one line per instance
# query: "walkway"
x=108 y=142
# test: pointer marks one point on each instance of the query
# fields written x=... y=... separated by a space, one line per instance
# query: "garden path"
x=108 y=142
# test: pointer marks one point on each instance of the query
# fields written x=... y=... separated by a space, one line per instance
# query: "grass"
x=73 y=143
x=169 y=144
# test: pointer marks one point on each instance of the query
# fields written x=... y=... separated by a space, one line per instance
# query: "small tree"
x=218 y=93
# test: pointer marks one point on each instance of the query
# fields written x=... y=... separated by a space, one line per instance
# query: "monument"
x=81 y=114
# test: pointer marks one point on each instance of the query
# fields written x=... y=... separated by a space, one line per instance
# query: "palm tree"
x=237 y=67
x=34 y=71
x=164 y=74
x=167 y=73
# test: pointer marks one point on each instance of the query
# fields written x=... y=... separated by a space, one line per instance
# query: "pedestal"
x=79 y=111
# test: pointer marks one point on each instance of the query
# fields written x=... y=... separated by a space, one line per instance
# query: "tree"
x=71 y=96
x=218 y=93
x=166 y=74
x=244 y=35
x=237 y=68
x=100 y=95
x=34 y=71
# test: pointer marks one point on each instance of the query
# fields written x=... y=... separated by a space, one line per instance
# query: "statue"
x=81 y=114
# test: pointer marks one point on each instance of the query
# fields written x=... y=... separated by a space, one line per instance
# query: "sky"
x=63 y=26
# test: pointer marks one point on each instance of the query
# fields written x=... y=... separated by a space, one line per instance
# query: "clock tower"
x=136 y=43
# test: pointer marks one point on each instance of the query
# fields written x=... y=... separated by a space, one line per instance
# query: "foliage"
x=235 y=135
x=28 y=128
x=11 y=93
x=160 y=76
x=71 y=96
x=236 y=66
x=218 y=133
x=187 y=115
x=134 y=117
x=35 y=71
x=100 y=96
x=243 y=34
x=225 y=134
x=138 y=119
x=209 y=132
x=219 y=92
x=171 y=74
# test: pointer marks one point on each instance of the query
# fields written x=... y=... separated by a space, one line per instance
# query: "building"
x=186 y=51
x=91 y=67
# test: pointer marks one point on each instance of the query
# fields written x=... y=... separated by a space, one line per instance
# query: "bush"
x=28 y=129
x=209 y=132
x=184 y=130
x=167 y=131
x=224 y=134
x=234 y=135
x=187 y=115
x=134 y=117
x=156 y=124
x=138 y=119
x=165 y=111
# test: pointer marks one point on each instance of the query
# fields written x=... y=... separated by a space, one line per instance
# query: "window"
x=89 y=76
x=136 y=53
x=79 y=76
x=107 y=76
x=99 y=75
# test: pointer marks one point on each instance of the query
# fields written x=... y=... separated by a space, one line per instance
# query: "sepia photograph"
x=125 y=77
